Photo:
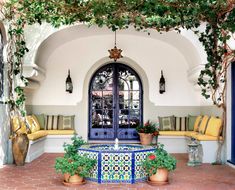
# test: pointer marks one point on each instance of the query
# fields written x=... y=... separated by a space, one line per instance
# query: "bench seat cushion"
x=190 y=133
x=196 y=135
x=172 y=133
x=60 y=132
x=201 y=137
x=36 y=135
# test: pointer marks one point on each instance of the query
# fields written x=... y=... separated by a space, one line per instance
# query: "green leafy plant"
x=71 y=149
x=72 y=163
x=76 y=164
x=159 y=159
x=148 y=128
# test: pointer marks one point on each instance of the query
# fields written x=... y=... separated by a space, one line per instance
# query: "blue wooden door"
x=115 y=103
x=232 y=159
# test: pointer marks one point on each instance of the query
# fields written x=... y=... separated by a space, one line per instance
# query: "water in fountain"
x=116 y=147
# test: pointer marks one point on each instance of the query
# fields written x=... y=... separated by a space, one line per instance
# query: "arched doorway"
x=115 y=103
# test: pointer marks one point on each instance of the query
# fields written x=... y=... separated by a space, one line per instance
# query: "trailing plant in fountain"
x=162 y=15
x=158 y=160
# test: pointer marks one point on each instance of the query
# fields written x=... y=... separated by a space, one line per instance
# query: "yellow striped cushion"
x=34 y=118
x=203 y=124
x=33 y=125
x=214 y=127
x=197 y=123
x=17 y=124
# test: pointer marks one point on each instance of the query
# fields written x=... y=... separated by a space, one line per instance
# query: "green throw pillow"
x=191 y=122
x=167 y=123
x=66 y=122
x=41 y=120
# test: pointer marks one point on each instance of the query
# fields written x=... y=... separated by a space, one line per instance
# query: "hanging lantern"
x=115 y=53
x=69 y=84
x=162 y=87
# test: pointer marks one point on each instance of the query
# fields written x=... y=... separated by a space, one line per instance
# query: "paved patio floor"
x=40 y=175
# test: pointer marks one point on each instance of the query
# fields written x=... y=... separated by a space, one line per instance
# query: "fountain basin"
x=117 y=166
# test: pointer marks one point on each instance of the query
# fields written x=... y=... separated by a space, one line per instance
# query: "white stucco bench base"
x=48 y=144
x=178 y=144
x=36 y=149
x=174 y=144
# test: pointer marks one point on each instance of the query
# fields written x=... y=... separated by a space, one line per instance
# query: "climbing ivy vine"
x=162 y=15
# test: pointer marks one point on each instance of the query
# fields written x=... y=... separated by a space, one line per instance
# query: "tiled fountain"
x=122 y=164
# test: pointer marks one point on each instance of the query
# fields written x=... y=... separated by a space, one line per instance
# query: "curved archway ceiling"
x=43 y=40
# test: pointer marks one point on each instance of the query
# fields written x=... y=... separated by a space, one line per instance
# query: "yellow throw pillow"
x=197 y=123
x=16 y=124
x=214 y=127
x=32 y=124
x=203 y=124
x=34 y=118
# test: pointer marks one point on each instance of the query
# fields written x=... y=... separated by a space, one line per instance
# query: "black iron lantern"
x=69 y=84
x=162 y=87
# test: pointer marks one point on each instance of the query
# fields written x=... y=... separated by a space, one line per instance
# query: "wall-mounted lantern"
x=162 y=85
x=69 y=84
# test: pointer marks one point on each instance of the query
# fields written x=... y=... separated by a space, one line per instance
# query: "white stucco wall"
x=79 y=53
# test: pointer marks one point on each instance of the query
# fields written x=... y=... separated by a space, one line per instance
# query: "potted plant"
x=74 y=166
x=147 y=132
x=158 y=164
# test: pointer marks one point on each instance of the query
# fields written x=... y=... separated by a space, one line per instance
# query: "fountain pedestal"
x=117 y=166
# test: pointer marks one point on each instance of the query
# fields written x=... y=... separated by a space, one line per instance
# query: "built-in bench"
x=42 y=141
x=205 y=129
x=177 y=141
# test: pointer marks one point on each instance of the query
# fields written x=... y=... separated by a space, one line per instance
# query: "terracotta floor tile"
x=40 y=176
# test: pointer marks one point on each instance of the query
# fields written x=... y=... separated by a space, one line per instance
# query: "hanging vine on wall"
x=162 y=15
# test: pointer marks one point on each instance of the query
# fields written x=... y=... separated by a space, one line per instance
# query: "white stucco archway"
x=4 y=119
x=43 y=39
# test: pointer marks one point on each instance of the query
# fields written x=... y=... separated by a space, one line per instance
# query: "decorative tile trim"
x=133 y=168
x=99 y=167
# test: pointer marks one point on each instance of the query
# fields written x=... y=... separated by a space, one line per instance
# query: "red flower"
x=155 y=133
x=152 y=157
x=146 y=124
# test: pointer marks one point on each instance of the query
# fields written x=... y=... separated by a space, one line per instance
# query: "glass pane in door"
x=129 y=116
x=101 y=104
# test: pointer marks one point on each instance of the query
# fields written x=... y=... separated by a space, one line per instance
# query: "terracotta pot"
x=146 y=139
x=66 y=177
x=73 y=179
x=160 y=176
x=20 y=144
